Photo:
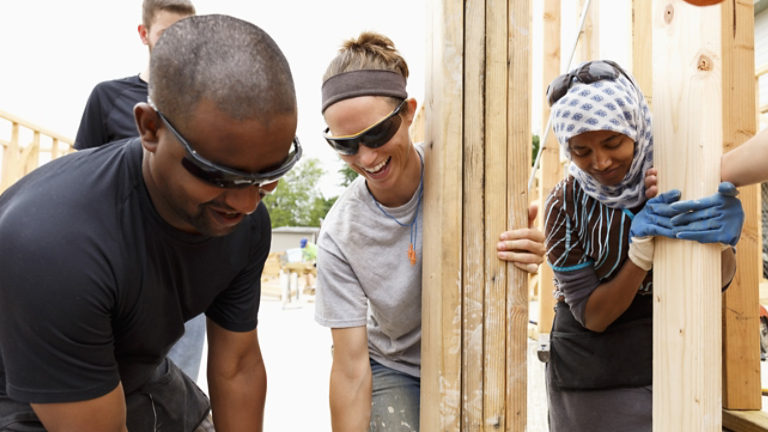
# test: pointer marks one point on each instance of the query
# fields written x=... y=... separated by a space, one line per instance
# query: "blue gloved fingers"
x=660 y=231
x=699 y=236
x=727 y=188
x=661 y=209
x=669 y=196
x=656 y=220
x=700 y=226
x=686 y=218
x=697 y=204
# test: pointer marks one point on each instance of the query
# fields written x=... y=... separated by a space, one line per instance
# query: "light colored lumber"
x=442 y=280
x=642 y=48
x=741 y=314
x=520 y=29
x=588 y=47
x=688 y=131
x=473 y=308
x=551 y=169
x=745 y=421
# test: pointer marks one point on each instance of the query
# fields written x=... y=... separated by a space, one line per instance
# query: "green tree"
x=297 y=200
x=348 y=175
x=534 y=148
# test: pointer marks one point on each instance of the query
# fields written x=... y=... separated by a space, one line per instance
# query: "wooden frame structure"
x=475 y=307
x=20 y=158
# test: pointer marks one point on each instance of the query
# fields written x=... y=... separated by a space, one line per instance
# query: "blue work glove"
x=655 y=218
x=717 y=218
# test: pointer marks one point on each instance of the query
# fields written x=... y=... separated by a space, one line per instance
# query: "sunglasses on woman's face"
x=588 y=73
x=373 y=137
x=225 y=177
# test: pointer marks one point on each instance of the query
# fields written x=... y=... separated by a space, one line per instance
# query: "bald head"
x=230 y=62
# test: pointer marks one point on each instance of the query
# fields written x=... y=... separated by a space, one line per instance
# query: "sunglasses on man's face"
x=588 y=73
x=373 y=137
x=225 y=177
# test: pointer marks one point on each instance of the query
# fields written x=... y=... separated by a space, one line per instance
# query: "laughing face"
x=390 y=170
x=605 y=155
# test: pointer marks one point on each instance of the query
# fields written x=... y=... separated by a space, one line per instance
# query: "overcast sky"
x=55 y=51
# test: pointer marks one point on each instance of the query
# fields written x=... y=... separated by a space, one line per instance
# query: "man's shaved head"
x=230 y=62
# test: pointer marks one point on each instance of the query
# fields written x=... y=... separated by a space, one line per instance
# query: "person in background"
x=109 y=117
x=370 y=246
x=308 y=250
x=600 y=231
x=108 y=114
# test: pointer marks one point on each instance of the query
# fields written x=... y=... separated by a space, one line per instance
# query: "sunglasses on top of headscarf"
x=588 y=73
x=374 y=136
x=225 y=177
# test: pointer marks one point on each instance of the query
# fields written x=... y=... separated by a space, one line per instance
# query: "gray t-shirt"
x=365 y=278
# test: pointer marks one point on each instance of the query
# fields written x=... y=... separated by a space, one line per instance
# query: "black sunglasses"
x=374 y=136
x=224 y=177
x=588 y=73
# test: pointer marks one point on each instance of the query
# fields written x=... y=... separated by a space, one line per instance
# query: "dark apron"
x=169 y=400
x=621 y=356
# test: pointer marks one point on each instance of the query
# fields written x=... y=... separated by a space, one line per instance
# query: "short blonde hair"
x=150 y=8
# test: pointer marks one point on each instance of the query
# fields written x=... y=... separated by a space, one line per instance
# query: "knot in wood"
x=669 y=13
x=704 y=63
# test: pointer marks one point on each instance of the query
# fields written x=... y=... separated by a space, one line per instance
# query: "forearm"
x=350 y=399
x=611 y=299
x=104 y=414
x=748 y=163
x=237 y=401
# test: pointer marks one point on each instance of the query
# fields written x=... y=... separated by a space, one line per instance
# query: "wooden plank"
x=10 y=160
x=496 y=144
x=441 y=295
x=29 y=125
x=519 y=141
x=745 y=421
x=642 y=44
x=688 y=131
x=551 y=169
x=474 y=218
x=741 y=312
x=588 y=47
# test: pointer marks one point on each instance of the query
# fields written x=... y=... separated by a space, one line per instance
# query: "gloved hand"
x=653 y=220
x=717 y=218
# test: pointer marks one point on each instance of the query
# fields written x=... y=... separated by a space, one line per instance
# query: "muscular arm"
x=103 y=414
x=351 y=383
x=748 y=163
x=611 y=299
x=237 y=379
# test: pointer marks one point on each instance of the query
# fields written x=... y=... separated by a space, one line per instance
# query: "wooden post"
x=588 y=47
x=475 y=307
x=551 y=169
x=688 y=131
x=441 y=338
x=642 y=55
x=10 y=159
x=741 y=313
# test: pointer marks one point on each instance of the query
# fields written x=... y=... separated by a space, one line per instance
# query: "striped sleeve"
x=564 y=250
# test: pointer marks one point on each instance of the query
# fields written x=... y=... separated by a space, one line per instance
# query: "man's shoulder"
x=114 y=88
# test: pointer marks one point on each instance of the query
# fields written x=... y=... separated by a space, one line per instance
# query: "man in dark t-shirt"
x=98 y=281
x=108 y=114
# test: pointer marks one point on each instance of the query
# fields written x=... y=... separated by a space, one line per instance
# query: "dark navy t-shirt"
x=96 y=287
x=108 y=115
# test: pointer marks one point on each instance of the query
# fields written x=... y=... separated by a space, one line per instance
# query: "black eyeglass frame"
x=584 y=74
x=225 y=177
x=349 y=145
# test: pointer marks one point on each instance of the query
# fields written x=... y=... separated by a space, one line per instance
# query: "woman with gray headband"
x=600 y=231
x=370 y=247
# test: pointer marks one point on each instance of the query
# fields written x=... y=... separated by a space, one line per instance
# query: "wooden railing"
x=762 y=108
x=27 y=147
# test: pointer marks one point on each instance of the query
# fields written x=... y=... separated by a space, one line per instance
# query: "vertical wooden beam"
x=518 y=128
x=741 y=313
x=442 y=280
x=551 y=169
x=642 y=56
x=688 y=131
x=478 y=139
x=10 y=159
x=588 y=47
x=473 y=308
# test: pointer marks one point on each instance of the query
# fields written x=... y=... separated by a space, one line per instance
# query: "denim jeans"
x=188 y=351
x=395 y=400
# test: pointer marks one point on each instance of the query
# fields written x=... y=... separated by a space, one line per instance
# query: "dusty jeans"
x=395 y=400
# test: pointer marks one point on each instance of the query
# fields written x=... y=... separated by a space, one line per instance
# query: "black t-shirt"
x=108 y=115
x=96 y=287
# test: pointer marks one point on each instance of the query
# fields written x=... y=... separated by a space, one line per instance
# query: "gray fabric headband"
x=366 y=82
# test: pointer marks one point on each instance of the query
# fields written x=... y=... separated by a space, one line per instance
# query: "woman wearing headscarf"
x=369 y=263
x=599 y=234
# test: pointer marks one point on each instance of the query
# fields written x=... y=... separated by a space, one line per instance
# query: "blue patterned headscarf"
x=613 y=105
